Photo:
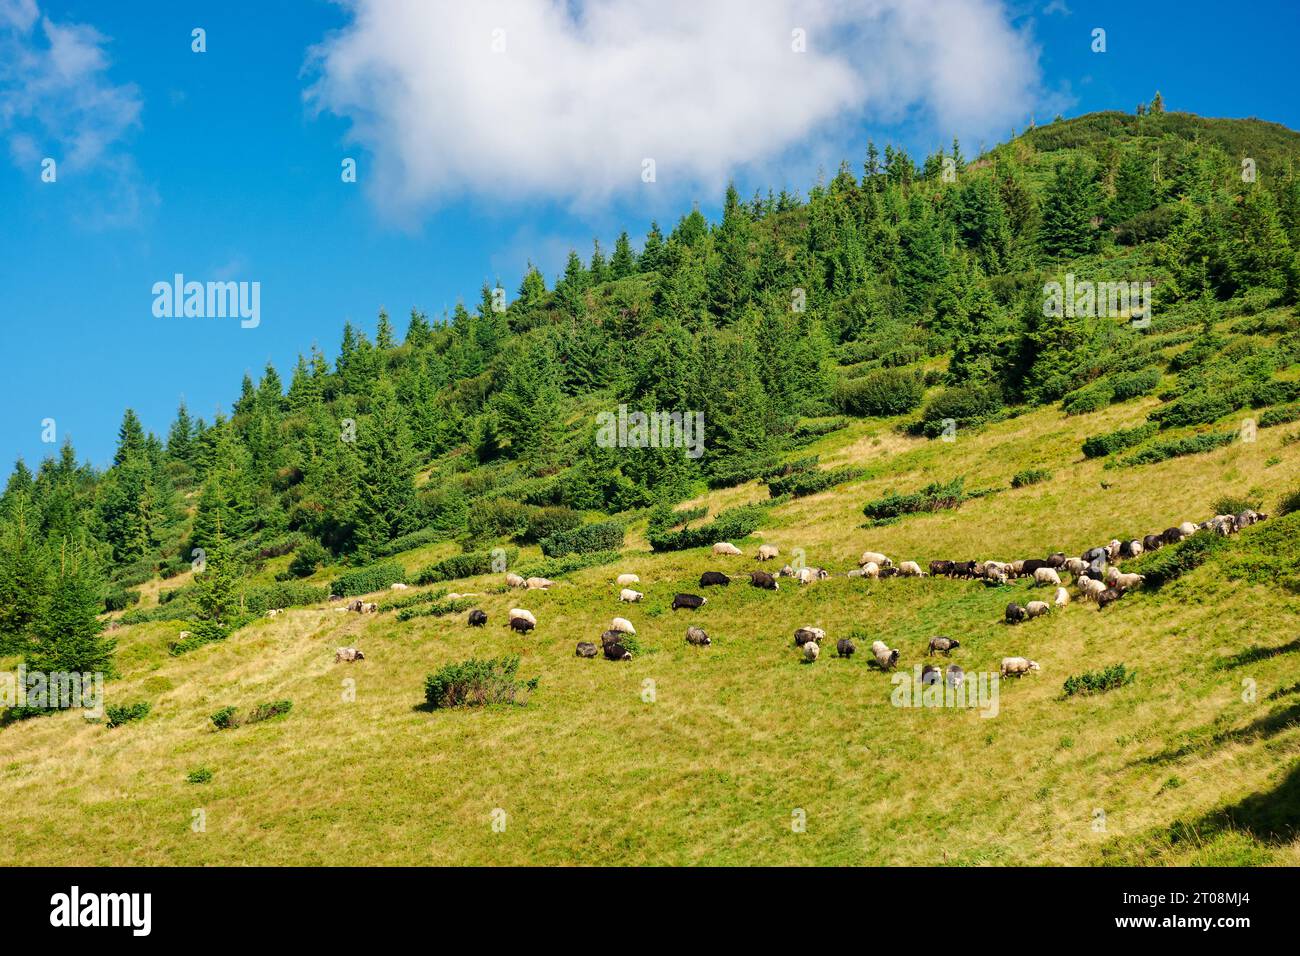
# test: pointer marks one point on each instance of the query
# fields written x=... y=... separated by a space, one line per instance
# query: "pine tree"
x=386 y=502
x=599 y=268
x=216 y=591
x=24 y=571
x=130 y=437
x=571 y=290
x=418 y=332
x=652 y=250
x=1134 y=189
x=180 y=438
x=623 y=263
x=1066 y=230
x=532 y=289
x=67 y=630
x=384 y=332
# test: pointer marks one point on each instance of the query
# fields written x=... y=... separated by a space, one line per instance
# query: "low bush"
x=803 y=483
x=933 y=497
x=228 y=718
x=1235 y=504
x=436 y=609
x=1198 y=407
x=409 y=542
x=1030 y=476
x=465 y=565
x=119 y=599
x=602 y=536
x=1281 y=415
x=1158 y=568
x=1177 y=447
x=283 y=594
x=308 y=558
x=963 y=404
x=555 y=567
x=1091 y=398
x=729 y=525
x=374 y=577
x=474 y=682
x=882 y=392
x=549 y=521
x=1098 y=446
x=199 y=775
x=120 y=714
x=1098 y=682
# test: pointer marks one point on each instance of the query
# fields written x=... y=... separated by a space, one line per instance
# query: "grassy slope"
x=740 y=734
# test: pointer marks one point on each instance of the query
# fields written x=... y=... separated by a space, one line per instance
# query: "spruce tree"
x=67 y=632
x=1066 y=230
x=623 y=262
x=386 y=502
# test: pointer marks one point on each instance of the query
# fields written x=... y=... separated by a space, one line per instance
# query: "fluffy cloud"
x=55 y=97
x=578 y=94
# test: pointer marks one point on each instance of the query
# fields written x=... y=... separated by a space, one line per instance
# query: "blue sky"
x=225 y=164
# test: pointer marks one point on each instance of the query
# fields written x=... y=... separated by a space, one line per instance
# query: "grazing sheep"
x=1090 y=588
x=586 y=649
x=945 y=645
x=786 y=572
x=692 y=601
x=766 y=552
x=930 y=675
x=697 y=637
x=622 y=625
x=1123 y=582
x=1032 y=566
x=630 y=596
x=1076 y=566
x=871 y=570
x=1172 y=535
x=398 y=586
x=369 y=607
x=938 y=568
x=515 y=581
x=477 y=617
x=1045 y=576
x=1112 y=548
x=845 y=647
x=761 y=579
x=805 y=634
x=955 y=675
x=348 y=654
x=910 y=569
x=522 y=614
x=888 y=572
x=1015 y=613
x=454 y=596
x=355 y=605
x=274 y=612
x=1017 y=568
x=1108 y=596
x=963 y=569
x=611 y=637
x=617 y=652
x=809 y=575
x=811 y=651
x=876 y=558
x=1037 y=608
x=521 y=624
x=855 y=573
x=1188 y=529
x=1056 y=560
x=624 y=580
x=726 y=547
x=711 y=578
x=1062 y=597
x=1018 y=666
x=1152 y=542
x=885 y=657
x=1130 y=549
x=539 y=584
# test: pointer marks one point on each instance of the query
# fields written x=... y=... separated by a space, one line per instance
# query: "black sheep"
x=709 y=578
x=692 y=601
x=477 y=617
x=845 y=647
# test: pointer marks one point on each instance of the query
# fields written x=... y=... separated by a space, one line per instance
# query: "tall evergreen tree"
x=1066 y=230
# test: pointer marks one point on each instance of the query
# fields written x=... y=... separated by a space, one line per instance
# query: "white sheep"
x=630 y=596
x=623 y=625
x=1125 y=582
x=884 y=656
x=539 y=584
x=1037 y=608
x=522 y=614
x=910 y=569
x=726 y=547
x=766 y=552
x=1018 y=666
x=871 y=570
x=876 y=558
x=811 y=651
x=515 y=581
x=625 y=579
x=1045 y=576
x=1076 y=566
x=1062 y=597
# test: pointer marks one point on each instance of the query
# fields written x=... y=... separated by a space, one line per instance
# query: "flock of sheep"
x=1094 y=573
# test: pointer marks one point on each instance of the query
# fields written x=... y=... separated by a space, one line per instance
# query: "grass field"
x=715 y=755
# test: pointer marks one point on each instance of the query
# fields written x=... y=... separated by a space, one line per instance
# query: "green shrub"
x=1177 y=447
x=374 y=577
x=803 y=483
x=1098 y=446
x=1235 y=504
x=729 y=525
x=412 y=600
x=736 y=470
x=465 y=565
x=1090 y=398
x=199 y=775
x=228 y=718
x=883 y=392
x=1281 y=415
x=602 y=536
x=125 y=713
x=785 y=468
x=409 y=542
x=436 y=609
x=1158 y=568
x=933 y=497
x=283 y=594
x=119 y=599
x=308 y=558
x=1098 y=682
x=964 y=404
x=1288 y=504
x=1198 y=407
x=555 y=567
x=1030 y=476
x=474 y=682
x=809 y=432
x=549 y=521
x=1127 y=385
x=224 y=719
x=498 y=518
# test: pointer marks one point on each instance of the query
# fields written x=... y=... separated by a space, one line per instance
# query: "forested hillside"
x=892 y=289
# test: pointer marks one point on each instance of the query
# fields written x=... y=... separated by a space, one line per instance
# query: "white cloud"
x=584 y=91
x=56 y=100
